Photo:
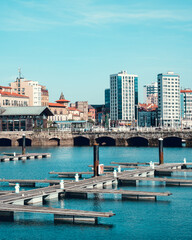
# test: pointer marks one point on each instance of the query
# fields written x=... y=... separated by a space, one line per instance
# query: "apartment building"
x=168 y=99
x=123 y=96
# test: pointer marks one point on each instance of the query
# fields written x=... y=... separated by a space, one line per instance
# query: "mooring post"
x=115 y=173
x=76 y=177
x=161 y=151
x=23 y=145
x=62 y=184
x=96 y=159
x=17 y=187
x=119 y=169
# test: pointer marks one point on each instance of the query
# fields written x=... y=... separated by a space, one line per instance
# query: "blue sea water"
x=167 y=218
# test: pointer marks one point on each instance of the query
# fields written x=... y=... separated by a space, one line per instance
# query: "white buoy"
x=14 y=154
x=17 y=187
x=119 y=169
x=115 y=173
x=62 y=184
x=184 y=160
x=76 y=177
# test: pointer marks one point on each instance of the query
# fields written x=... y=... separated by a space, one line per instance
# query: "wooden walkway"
x=29 y=182
x=70 y=174
x=64 y=215
x=167 y=181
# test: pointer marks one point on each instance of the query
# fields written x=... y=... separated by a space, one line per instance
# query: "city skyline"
x=74 y=46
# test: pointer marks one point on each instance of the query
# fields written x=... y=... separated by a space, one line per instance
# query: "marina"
x=106 y=190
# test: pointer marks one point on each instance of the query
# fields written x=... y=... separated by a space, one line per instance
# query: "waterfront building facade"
x=147 y=115
x=91 y=113
x=75 y=114
x=123 y=96
x=44 y=96
x=62 y=112
x=168 y=99
x=83 y=107
x=59 y=109
x=23 y=118
x=11 y=99
x=186 y=107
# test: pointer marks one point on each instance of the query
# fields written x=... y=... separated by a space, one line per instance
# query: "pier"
x=12 y=202
x=65 y=215
x=15 y=157
x=70 y=174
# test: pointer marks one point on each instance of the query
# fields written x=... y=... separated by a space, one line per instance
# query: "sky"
x=72 y=46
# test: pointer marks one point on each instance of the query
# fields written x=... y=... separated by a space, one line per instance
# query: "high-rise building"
x=123 y=96
x=168 y=99
x=186 y=106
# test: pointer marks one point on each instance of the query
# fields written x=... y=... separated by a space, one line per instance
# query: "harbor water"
x=167 y=218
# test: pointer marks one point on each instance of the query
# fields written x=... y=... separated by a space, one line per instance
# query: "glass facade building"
x=107 y=98
x=186 y=104
x=123 y=96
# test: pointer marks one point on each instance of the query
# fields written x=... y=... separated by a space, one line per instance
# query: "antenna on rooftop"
x=19 y=70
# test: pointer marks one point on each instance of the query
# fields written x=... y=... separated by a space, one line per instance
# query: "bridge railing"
x=111 y=130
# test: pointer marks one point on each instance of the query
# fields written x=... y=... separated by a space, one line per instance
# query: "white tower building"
x=168 y=99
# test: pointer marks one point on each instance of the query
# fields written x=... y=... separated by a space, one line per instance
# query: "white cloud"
x=38 y=15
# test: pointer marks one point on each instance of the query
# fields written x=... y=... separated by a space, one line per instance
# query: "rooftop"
x=62 y=101
x=186 y=91
x=5 y=87
x=25 y=111
x=147 y=107
x=57 y=105
x=12 y=94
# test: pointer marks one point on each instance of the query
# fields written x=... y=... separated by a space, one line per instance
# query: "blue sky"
x=74 y=45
